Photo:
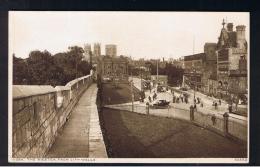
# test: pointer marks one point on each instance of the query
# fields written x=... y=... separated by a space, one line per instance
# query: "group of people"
x=154 y=97
x=181 y=98
x=198 y=101
x=216 y=103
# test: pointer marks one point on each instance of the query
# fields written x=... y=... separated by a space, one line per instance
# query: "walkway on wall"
x=74 y=140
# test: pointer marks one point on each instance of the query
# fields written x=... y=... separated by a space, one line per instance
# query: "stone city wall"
x=229 y=126
x=39 y=112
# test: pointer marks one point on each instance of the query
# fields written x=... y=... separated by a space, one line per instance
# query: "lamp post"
x=195 y=85
x=132 y=95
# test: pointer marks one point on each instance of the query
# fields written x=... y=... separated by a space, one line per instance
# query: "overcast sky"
x=139 y=34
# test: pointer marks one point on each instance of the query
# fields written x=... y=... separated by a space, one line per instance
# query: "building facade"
x=111 y=50
x=232 y=61
x=198 y=68
x=193 y=71
x=87 y=52
x=114 y=69
x=97 y=49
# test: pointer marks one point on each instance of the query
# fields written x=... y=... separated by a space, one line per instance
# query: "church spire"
x=223 y=23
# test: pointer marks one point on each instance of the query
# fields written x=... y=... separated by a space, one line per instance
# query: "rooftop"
x=195 y=57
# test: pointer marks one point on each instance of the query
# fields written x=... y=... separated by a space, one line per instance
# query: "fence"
x=39 y=112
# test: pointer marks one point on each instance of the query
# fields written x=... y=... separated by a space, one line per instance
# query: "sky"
x=149 y=35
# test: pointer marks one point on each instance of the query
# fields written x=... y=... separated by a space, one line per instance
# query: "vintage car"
x=160 y=104
x=183 y=89
x=161 y=88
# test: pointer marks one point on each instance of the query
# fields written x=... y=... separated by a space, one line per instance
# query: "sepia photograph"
x=128 y=87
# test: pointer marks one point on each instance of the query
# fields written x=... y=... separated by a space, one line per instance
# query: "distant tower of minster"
x=97 y=49
x=111 y=50
x=87 y=52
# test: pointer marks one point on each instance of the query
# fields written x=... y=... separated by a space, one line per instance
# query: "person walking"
x=198 y=100
x=195 y=108
x=219 y=102
x=173 y=99
x=230 y=108
x=150 y=99
x=216 y=105
x=186 y=100
x=181 y=98
x=201 y=104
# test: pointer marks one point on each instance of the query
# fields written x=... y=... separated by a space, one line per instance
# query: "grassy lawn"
x=122 y=94
x=132 y=135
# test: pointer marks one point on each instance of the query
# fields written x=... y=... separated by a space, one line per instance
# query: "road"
x=207 y=102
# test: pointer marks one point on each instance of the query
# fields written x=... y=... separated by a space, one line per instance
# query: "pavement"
x=74 y=140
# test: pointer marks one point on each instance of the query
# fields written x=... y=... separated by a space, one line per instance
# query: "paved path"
x=73 y=142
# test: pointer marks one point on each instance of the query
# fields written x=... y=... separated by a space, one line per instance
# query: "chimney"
x=230 y=27
x=240 y=32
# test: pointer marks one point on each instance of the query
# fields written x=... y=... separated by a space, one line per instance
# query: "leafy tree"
x=41 y=68
x=20 y=71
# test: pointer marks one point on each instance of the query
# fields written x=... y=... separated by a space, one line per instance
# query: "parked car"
x=161 y=88
x=161 y=104
x=183 y=89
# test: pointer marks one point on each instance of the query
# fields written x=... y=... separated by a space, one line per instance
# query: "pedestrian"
x=186 y=100
x=216 y=105
x=181 y=98
x=219 y=102
x=173 y=99
x=198 y=100
x=194 y=101
x=195 y=107
x=201 y=104
x=230 y=108
x=150 y=99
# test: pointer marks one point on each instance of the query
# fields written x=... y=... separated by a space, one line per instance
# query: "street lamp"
x=132 y=95
x=194 y=85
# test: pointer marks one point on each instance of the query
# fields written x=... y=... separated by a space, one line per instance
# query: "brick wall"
x=37 y=118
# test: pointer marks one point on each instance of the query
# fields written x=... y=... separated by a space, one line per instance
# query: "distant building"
x=198 y=68
x=162 y=79
x=232 y=61
x=87 y=52
x=114 y=68
x=179 y=63
x=97 y=49
x=111 y=50
x=193 y=70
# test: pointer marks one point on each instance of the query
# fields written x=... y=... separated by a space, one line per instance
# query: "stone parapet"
x=39 y=113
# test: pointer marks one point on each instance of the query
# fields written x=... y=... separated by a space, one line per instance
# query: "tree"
x=75 y=55
x=41 y=68
x=20 y=71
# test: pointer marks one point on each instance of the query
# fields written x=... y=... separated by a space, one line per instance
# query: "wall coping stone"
x=61 y=88
x=76 y=80
x=20 y=91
